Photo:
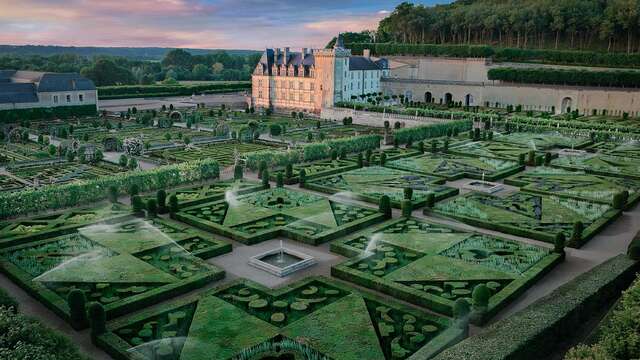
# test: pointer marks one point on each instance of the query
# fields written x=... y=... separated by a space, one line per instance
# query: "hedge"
x=573 y=77
x=87 y=191
x=119 y=92
x=16 y=115
x=589 y=58
x=539 y=329
x=311 y=152
x=617 y=338
x=431 y=131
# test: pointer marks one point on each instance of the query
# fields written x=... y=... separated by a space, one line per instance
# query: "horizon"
x=188 y=24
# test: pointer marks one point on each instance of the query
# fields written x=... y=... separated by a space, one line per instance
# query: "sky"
x=203 y=24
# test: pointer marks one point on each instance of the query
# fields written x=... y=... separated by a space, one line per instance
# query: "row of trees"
x=566 y=77
x=177 y=65
x=612 y=25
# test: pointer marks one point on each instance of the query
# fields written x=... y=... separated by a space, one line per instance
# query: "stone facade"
x=29 y=89
x=440 y=80
x=312 y=79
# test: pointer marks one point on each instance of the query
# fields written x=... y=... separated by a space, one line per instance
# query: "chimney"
x=366 y=53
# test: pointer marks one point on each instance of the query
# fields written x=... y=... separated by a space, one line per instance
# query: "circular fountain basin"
x=281 y=261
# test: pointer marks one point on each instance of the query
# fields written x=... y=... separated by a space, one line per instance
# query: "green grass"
x=433 y=265
x=454 y=167
x=574 y=184
x=371 y=183
x=266 y=214
x=243 y=319
x=600 y=164
x=530 y=215
x=125 y=264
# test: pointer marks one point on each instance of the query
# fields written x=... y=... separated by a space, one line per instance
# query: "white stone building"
x=31 y=89
x=312 y=79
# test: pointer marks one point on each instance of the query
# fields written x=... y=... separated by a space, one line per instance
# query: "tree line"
x=611 y=25
x=177 y=65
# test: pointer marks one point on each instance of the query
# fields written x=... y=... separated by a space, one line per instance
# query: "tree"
x=178 y=58
x=407 y=207
x=302 y=177
x=123 y=160
x=238 y=172
x=113 y=194
x=265 y=179
x=559 y=243
x=275 y=130
x=152 y=208
x=279 y=180
x=288 y=171
x=408 y=193
x=105 y=72
x=200 y=72
x=133 y=163
x=620 y=200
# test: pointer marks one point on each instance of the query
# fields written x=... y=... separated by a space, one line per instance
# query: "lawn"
x=371 y=183
x=433 y=265
x=125 y=263
x=266 y=214
x=315 y=318
x=529 y=215
x=575 y=184
x=454 y=167
x=601 y=164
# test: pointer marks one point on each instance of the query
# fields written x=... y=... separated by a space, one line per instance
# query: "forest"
x=601 y=25
x=176 y=65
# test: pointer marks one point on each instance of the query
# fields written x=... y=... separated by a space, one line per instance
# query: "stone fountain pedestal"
x=281 y=261
x=483 y=186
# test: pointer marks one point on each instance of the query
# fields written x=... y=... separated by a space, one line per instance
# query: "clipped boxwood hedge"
x=120 y=92
x=6 y=300
x=15 y=115
x=87 y=191
x=534 y=332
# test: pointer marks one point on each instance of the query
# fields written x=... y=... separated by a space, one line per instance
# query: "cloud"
x=238 y=24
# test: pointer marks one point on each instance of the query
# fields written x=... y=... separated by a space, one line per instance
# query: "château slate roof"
x=362 y=63
x=24 y=86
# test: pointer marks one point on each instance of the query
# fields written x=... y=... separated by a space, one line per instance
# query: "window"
x=259 y=94
x=291 y=96
x=55 y=99
x=68 y=98
x=345 y=88
x=80 y=97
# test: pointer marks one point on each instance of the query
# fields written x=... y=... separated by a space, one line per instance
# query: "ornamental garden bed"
x=629 y=149
x=8 y=183
x=264 y=215
x=433 y=265
x=225 y=153
x=315 y=169
x=601 y=164
x=212 y=192
x=64 y=172
x=544 y=141
x=454 y=167
x=47 y=226
x=125 y=264
x=529 y=215
x=371 y=183
x=575 y=184
x=315 y=318
x=493 y=149
x=393 y=154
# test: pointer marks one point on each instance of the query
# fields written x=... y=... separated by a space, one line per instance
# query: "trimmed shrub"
x=434 y=146
x=261 y=167
x=461 y=309
x=559 y=243
x=481 y=295
x=421 y=146
x=288 y=171
x=77 y=308
x=620 y=200
x=279 y=180
x=430 y=200
x=161 y=198
x=419 y=133
x=383 y=159
x=173 y=204
x=237 y=172
x=97 y=319
x=134 y=190
x=343 y=154
x=407 y=207
x=576 y=234
x=385 y=206
x=334 y=154
x=152 y=208
x=112 y=194
x=265 y=179
x=360 y=160
x=521 y=159
x=547 y=159
x=532 y=158
x=137 y=204
x=302 y=177
x=408 y=193
x=634 y=247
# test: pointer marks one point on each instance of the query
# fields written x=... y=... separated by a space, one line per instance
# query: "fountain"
x=483 y=186
x=281 y=261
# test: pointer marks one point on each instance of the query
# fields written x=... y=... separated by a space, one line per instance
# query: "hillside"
x=131 y=53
